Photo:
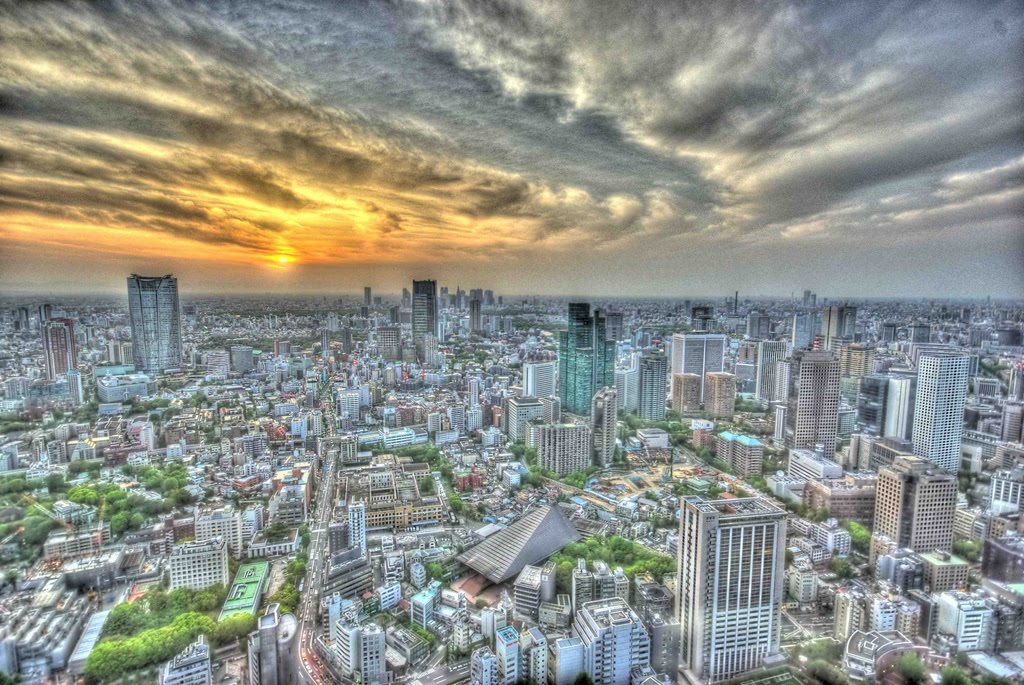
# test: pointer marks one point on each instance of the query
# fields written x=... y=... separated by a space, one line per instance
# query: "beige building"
x=686 y=392
x=944 y=571
x=720 y=394
x=915 y=504
x=856 y=360
x=812 y=412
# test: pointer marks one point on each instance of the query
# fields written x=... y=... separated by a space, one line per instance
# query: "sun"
x=283 y=260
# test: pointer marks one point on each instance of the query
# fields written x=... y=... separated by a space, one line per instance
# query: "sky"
x=527 y=146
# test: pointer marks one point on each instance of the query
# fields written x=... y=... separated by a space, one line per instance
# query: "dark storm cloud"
x=660 y=133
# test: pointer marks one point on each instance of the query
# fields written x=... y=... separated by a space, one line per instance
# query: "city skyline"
x=532 y=148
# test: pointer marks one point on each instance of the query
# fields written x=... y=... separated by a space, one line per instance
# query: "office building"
x=76 y=391
x=730 y=585
x=223 y=522
x=424 y=315
x=475 y=320
x=614 y=641
x=198 y=565
x=564 y=448
x=805 y=326
x=811 y=465
x=899 y=407
x=653 y=374
x=812 y=412
x=586 y=358
x=360 y=650
x=915 y=504
x=871 y=403
x=539 y=379
x=627 y=385
x=720 y=394
x=367 y=296
x=155 y=318
x=686 y=392
x=270 y=648
x=856 y=360
x=1006 y=492
x=1012 y=428
x=968 y=619
x=939 y=407
x=769 y=354
x=604 y=418
x=838 y=323
x=60 y=351
x=191 y=666
x=242 y=359
x=518 y=412
x=698 y=353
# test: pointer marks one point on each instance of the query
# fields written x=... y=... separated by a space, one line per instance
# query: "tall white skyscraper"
x=729 y=592
x=627 y=385
x=360 y=650
x=653 y=383
x=539 y=379
x=939 y=407
x=812 y=414
x=769 y=354
x=699 y=353
x=357 y=525
x=155 y=322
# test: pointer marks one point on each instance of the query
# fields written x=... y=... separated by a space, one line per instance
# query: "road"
x=442 y=675
x=307 y=664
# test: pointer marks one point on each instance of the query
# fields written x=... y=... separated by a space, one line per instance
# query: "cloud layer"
x=533 y=146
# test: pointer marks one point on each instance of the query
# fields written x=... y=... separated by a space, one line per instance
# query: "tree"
x=860 y=536
x=583 y=679
x=825 y=673
x=841 y=567
x=954 y=675
x=426 y=484
x=911 y=669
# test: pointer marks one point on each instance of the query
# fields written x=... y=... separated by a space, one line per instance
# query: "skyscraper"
x=475 y=324
x=730 y=584
x=653 y=374
x=155 y=322
x=59 y=347
x=720 y=394
x=812 y=413
x=939 y=407
x=838 y=322
x=424 y=314
x=604 y=416
x=699 y=353
x=914 y=505
x=686 y=392
x=586 y=359
x=899 y=407
x=805 y=326
x=367 y=296
x=769 y=354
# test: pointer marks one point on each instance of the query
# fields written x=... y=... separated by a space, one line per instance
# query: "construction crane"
x=12 y=536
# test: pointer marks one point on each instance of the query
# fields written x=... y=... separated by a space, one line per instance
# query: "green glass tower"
x=586 y=360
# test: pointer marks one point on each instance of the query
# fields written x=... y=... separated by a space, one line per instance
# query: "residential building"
x=604 y=421
x=686 y=389
x=564 y=448
x=812 y=413
x=614 y=641
x=720 y=394
x=653 y=373
x=191 y=666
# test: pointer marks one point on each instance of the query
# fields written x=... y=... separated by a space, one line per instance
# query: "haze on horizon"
x=654 y=149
